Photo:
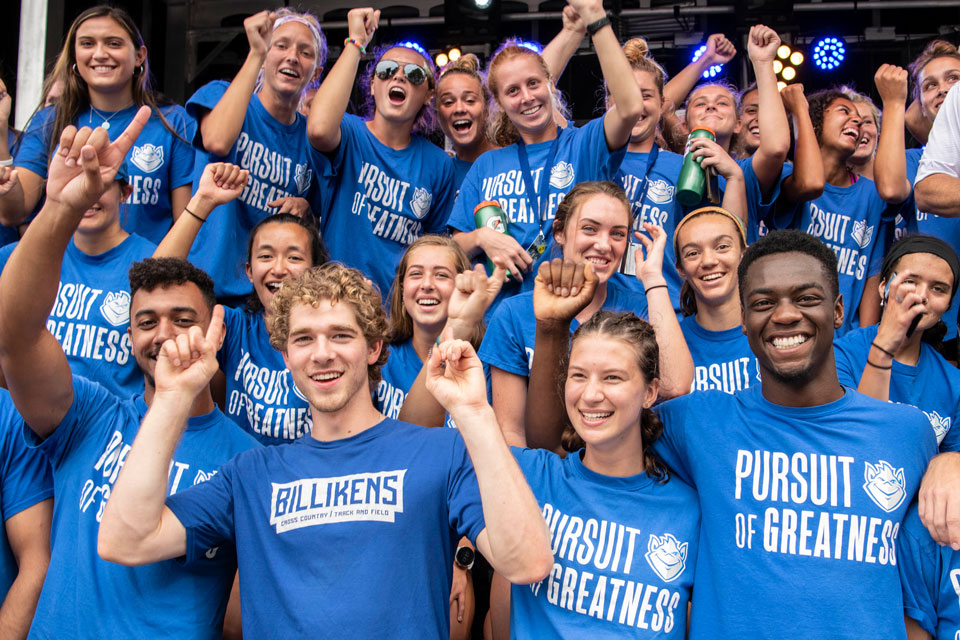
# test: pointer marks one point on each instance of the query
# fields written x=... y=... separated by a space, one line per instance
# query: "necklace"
x=106 y=121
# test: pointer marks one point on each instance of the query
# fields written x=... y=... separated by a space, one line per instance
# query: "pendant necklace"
x=106 y=121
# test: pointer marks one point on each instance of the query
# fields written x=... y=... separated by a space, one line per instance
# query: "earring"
x=138 y=70
x=75 y=71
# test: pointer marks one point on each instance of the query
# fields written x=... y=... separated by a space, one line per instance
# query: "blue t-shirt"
x=83 y=595
x=624 y=552
x=398 y=375
x=261 y=395
x=25 y=480
x=353 y=536
x=460 y=169
x=929 y=578
x=933 y=385
x=158 y=162
x=91 y=314
x=9 y=234
x=722 y=360
x=947 y=229
x=276 y=155
x=807 y=499
x=582 y=155
x=853 y=221
x=383 y=199
x=510 y=337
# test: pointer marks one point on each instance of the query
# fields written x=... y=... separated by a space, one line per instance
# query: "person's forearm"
x=679 y=87
x=13 y=210
x=939 y=194
x=330 y=102
x=470 y=241
x=179 y=240
x=220 y=128
x=135 y=509
x=16 y=614
x=806 y=182
x=735 y=199
x=558 y=51
x=516 y=533
x=623 y=87
x=546 y=414
x=676 y=363
x=917 y=124
x=774 y=129
x=890 y=165
x=875 y=381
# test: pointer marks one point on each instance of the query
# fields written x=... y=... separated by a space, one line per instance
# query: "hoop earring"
x=138 y=70
x=75 y=71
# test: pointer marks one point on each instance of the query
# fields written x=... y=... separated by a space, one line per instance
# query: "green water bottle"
x=489 y=214
x=693 y=180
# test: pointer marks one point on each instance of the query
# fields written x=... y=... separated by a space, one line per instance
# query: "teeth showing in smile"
x=273 y=286
x=428 y=302
x=596 y=416
x=530 y=111
x=290 y=72
x=598 y=261
x=712 y=276
x=788 y=343
x=461 y=125
x=102 y=69
x=324 y=377
x=755 y=131
x=852 y=132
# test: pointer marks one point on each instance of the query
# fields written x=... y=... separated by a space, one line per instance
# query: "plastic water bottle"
x=693 y=180
x=489 y=214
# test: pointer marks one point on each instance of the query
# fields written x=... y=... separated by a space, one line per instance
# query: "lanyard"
x=651 y=160
x=541 y=192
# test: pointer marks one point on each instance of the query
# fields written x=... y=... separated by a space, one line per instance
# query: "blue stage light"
x=416 y=46
x=828 y=53
x=533 y=45
x=713 y=70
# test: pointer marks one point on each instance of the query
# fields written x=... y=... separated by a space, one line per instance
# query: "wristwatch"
x=464 y=558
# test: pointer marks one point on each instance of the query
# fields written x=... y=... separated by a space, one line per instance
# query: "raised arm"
x=473 y=292
x=762 y=44
x=330 y=102
x=560 y=292
x=515 y=539
x=719 y=51
x=220 y=183
x=917 y=124
x=558 y=51
x=806 y=182
x=28 y=533
x=220 y=128
x=20 y=193
x=36 y=368
x=890 y=166
x=137 y=526
x=618 y=121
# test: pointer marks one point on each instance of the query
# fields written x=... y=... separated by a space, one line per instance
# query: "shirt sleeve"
x=461 y=216
x=181 y=169
x=233 y=322
x=942 y=153
x=446 y=192
x=463 y=493
x=206 y=512
x=502 y=345
x=671 y=446
x=32 y=149
x=843 y=351
x=602 y=162
x=202 y=102
x=918 y=561
x=26 y=474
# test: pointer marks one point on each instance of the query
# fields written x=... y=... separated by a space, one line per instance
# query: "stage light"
x=828 y=53
x=713 y=70
x=441 y=60
x=453 y=54
x=783 y=52
x=777 y=66
x=789 y=73
x=481 y=4
x=796 y=58
x=416 y=46
x=533 y=45
x=781 y=85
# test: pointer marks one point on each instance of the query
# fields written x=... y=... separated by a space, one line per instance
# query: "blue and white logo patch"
x=148 y=157
x=667 y=556
x=862 y=233
x=302 y=176
x=940 y=424
x=115 y=308
x=420 y=202
x=660 y=191
x=884 y=484
x=562 y=175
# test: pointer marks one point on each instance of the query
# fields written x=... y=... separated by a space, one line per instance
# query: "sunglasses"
x=414 y=73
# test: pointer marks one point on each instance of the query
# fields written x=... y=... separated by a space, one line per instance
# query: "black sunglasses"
x=386 y=69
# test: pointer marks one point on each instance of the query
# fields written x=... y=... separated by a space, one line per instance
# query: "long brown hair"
x=75 y=95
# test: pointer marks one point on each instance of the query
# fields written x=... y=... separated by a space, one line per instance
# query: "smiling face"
x=646 y=126
x=291 y=61
x=933 y=279
x=596 y=232
x=279 y=250
x=397 y=99
x=750 y=120
x=605 y=392
x=328 y=356
x=869 y=134
x=105 y=213
x=428 y=283
x=714 y=107
x=841 y=127
x=106 y=55
x=523 y=92
x=162 y=314
x=461 y=108
x=935 y=80
x=789 y=316
x=709 y=250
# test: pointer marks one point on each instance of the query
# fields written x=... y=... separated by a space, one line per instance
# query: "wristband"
x=656 y=286
x=202 y=220
x=879 y=348
x=6 y=163
x=879 y=366
x=596 y=25
x=359 y=45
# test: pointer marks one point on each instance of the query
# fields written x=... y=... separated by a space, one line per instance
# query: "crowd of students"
x=266 y=373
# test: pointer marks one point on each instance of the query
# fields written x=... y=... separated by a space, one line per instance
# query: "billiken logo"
x=884 y=484
x=667 y=556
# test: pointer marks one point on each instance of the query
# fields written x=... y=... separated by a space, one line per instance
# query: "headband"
x=317 y=38
x=921 y=243
x=703 y=211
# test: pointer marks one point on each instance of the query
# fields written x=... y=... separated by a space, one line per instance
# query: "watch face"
x=465 y=556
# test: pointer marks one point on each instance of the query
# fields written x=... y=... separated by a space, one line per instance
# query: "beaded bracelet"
x=359 y=45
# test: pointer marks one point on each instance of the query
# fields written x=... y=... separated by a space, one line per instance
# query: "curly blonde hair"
x=334 y=283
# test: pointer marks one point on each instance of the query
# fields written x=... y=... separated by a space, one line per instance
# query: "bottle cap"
x=707 y=129
x=487 y=203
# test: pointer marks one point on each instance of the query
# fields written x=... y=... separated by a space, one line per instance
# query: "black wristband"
x=874 y=344
x=878 y=366
x=596 y=25
x=202 y=220
x=656 y=286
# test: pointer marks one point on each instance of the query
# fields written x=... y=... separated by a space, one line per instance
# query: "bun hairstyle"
x=638 y=335
x=638 y=55
x=502 y=131
x=935 y=49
